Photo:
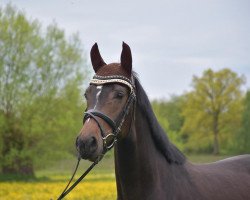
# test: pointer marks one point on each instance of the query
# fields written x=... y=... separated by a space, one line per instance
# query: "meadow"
x=49 y=183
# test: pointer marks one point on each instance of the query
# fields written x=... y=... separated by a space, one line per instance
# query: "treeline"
x=41 y=77
x=213 y=118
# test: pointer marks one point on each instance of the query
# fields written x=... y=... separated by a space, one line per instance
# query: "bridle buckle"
x=105 y=139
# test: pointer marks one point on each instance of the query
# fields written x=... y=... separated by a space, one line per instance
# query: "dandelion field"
x=101 y=190
x=99 y=184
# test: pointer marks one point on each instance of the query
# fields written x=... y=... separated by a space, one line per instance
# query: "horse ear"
x=96 y=59
x=126 y=58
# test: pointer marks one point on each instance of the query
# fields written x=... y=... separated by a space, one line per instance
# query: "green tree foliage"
x=169 y=116
x=244 y=135
x=212 y=111
x=40 y=74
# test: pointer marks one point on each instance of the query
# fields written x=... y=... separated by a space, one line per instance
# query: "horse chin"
x=92 y=159
x=90 y=156
x=95 y=158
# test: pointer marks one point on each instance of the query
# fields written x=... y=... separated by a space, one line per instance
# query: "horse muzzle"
x=87 y=147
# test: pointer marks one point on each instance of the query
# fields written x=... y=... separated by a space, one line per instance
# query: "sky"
x=170 y=40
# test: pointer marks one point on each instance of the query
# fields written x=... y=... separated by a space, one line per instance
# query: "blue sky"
x=170 y=40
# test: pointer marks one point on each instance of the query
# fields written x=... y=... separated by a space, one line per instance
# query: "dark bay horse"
x=147 y=164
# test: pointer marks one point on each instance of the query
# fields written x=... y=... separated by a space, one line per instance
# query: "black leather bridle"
x=109 y=139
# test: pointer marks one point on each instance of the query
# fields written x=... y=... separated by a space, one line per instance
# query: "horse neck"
x=139 y=165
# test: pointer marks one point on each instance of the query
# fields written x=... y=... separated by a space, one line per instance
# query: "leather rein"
x=109 y=139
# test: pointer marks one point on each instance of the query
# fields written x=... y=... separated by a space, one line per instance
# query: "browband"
x=100 y=80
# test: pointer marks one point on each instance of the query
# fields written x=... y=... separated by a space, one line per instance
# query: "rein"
x=109 y=139
x=67 y=188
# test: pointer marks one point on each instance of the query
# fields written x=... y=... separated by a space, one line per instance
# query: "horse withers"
x=147 y=164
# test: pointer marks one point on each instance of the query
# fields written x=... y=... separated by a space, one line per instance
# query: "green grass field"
x=49 y=182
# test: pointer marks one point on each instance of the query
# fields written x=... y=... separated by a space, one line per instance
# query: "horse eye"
x=119 y=95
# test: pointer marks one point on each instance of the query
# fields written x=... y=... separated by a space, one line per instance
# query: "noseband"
x=110 y=139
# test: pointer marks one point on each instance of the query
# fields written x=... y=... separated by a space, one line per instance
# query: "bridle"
x=117 y=124
x=109 y=139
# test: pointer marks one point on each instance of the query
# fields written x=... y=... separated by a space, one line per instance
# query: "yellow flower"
x=90 y=190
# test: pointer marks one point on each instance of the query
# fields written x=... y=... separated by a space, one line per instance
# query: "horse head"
x=110 y=97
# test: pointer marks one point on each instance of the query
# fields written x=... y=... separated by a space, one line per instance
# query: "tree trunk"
x=216 y=149
x=216 y=144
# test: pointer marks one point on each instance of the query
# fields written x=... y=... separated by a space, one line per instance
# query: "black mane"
x=162 y=143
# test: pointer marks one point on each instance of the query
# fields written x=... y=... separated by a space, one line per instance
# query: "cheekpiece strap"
x=100 y=80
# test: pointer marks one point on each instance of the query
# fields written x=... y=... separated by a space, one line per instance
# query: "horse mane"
x=162 y=143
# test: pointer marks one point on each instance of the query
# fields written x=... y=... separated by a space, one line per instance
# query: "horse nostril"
x=92 y=144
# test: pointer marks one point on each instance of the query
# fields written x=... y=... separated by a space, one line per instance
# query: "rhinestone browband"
x=100 y=80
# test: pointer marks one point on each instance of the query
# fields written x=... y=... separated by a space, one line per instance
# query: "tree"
x=244 y=137
x=37 y=67
x=213 y=108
